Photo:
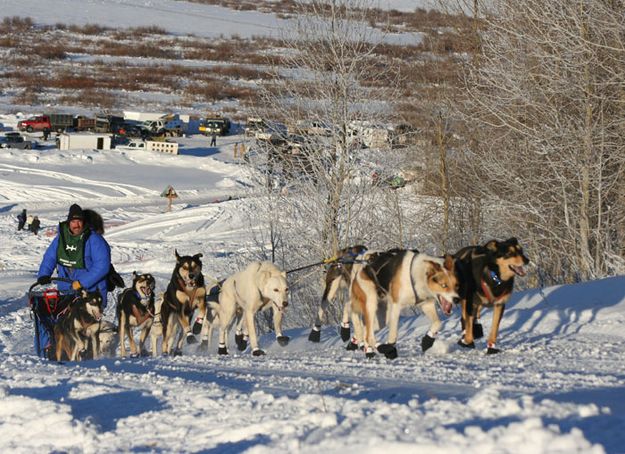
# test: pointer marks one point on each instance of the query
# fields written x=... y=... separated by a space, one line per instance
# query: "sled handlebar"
x=53 y=279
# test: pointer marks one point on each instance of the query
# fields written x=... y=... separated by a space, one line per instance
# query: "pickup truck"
x=52 y=122
x=166 y=126
x=217 y=125
x=15 y=140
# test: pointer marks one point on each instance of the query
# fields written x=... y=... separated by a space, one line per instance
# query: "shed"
x=74 y=141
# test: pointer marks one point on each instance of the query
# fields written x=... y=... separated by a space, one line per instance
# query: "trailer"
x=77 y=141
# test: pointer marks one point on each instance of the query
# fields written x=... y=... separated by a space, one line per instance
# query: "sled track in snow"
x=64 y=191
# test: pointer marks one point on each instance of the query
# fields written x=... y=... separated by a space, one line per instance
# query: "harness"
x=492 y=300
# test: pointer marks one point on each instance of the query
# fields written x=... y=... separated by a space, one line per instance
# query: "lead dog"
x=401 y=278
x=185 y=293
x=338 y=277
x=135 y=309
x=260 y=285
x=82 y=321
x=487 y=279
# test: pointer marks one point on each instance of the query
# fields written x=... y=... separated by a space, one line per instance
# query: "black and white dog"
x=82 y=321
x=135 y=309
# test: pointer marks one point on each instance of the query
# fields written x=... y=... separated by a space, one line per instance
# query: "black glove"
x=44 y=280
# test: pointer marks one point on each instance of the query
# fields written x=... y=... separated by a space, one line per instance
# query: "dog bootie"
x=144 y=352
x=369 y=353
x=478 y=331
x=283 y=340
x=197 y=326
x=177 y=352
x=491 y=349
x=258 y=352
x=345 y=332
x=222 y=350
x=427 y=342
x=241 y=341
x=388 y=350
x=315 y=334
x=191 y=339
x=462 y=343
x=352 y=345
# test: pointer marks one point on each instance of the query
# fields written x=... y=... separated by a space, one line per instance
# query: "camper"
x=77 y=141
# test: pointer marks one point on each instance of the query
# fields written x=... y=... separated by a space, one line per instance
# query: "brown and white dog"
x=185 y=293
x=486 y=276
x=261 y=285
x=82 y=321
x=135 y=309
x=338 y=277
x=400 y=278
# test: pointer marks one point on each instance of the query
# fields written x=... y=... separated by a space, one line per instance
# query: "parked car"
x=51 y=122
x=16 y=140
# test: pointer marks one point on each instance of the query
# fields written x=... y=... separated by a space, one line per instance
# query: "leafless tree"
x=546 y=96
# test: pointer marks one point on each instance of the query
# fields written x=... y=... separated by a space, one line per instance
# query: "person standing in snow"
x=214 y=139
x=21 y=219
x=78 y=253
x=35 y=225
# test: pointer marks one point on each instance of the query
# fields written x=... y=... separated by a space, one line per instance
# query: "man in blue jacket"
x=78 y=253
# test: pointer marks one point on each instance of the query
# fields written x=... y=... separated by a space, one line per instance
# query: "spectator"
x=21 y=219
x=46 y=133
x=35 y=225
x=213 y=139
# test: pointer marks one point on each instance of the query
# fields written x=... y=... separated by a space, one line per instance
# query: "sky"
x=557 y=386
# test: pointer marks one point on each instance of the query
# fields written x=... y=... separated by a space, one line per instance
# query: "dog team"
x=379 y=284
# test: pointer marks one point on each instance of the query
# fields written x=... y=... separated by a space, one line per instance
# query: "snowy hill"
x=557 y=387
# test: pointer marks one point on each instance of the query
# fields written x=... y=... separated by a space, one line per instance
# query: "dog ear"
x=134 y=275
x=512 y=241
x=283 y=274
x=433 y=268
x=492 y=246
x=84 y=293
x=449 y=262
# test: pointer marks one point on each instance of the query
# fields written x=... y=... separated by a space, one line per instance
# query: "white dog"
x=259 y=286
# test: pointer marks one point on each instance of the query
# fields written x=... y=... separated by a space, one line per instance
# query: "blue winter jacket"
x=92 y=277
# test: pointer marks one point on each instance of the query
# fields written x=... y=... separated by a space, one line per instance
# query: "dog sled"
x=49 y=306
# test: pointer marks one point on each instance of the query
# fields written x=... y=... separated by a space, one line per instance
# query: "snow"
x=557 y=387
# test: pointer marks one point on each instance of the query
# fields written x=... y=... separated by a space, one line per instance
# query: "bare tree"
x=546 y=95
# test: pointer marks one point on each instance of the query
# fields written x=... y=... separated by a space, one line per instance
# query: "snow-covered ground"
x=557 y=387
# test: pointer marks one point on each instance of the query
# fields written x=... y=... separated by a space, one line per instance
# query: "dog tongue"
x=519 y=270
x=445 y=305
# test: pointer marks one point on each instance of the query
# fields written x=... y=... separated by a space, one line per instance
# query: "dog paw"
x=145 y=353
x=197 y=327
x=177 y=352
x=491 y=349
x=315 y=335
x=283 y=340
x=478 y=331
x=222 y=351
x=345 y=333
x=388 y=350
x=191 y=339
x=462 y=343
x=258 y=352
x=427 y=342
x=134 y=355
x=241 y=342
x=369 y=353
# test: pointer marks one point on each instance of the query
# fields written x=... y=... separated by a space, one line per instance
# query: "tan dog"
x=259 y=286
x=83 y=320
x=400 y=278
